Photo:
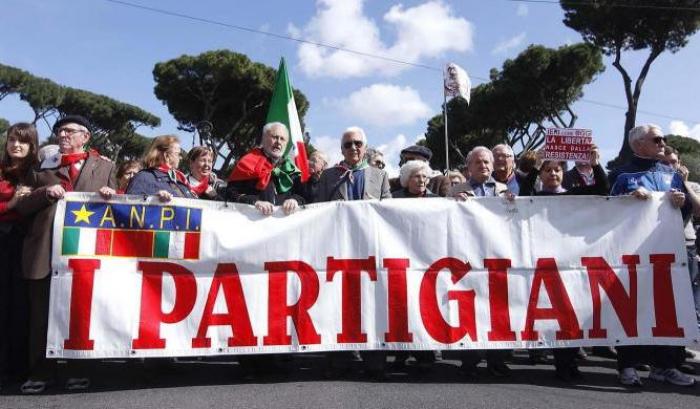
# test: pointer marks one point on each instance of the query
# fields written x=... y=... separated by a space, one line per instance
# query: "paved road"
x=301 y=384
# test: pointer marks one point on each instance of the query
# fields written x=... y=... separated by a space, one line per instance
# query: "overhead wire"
x=362 y=53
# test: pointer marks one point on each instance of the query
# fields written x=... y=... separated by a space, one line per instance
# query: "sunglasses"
x=657 y=140
x=379 y=164
x=348 y=144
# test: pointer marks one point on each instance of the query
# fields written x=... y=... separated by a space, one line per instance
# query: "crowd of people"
x=33 y=179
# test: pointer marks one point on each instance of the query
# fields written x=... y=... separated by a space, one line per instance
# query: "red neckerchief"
x=178 y=176
x=200 y=187
x=70 y=160
x=253 y=165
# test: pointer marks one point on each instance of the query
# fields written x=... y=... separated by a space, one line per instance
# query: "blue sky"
x=111 y=49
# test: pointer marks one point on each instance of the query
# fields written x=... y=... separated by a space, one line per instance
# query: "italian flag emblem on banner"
x=124 y=230
x=283 y=109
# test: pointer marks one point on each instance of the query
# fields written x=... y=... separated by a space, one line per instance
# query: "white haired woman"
x=414 y=176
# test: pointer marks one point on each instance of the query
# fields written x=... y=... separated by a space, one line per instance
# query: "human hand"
x=22 y=190
x=290 y=206
x=677 y=198
x=55 y=191
x=683 y=170
x=264 y=207
x=461 y=197
x=164 y=196
x=107 y=192
x=641 y=194
x=595 y=156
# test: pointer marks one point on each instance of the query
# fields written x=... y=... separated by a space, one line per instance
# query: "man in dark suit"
x=353 y=178
x=72 y=170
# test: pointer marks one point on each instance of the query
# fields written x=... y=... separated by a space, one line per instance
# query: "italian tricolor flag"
x=283 y=109
x=89 y=241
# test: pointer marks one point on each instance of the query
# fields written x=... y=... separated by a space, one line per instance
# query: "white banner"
x=136 y=277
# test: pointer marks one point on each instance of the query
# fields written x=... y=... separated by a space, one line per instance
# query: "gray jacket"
x=333 y=186
x=500 y=188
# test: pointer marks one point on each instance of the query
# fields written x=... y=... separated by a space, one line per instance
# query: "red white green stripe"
x=283 y=109
x=130 y=243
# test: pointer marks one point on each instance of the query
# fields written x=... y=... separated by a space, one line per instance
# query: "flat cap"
x=72 y=119
x=418 y=150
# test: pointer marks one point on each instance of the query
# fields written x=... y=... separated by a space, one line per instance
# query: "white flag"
x=457 y=82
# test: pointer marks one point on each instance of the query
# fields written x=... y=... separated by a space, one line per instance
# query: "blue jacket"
x=650 y=174
x=151 y=181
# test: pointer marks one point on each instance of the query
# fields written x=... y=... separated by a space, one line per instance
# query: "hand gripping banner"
x=139 y=278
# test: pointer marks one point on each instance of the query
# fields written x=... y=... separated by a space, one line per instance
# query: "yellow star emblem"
x=82 y=215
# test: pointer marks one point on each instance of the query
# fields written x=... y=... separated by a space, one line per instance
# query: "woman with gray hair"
x=414 y=176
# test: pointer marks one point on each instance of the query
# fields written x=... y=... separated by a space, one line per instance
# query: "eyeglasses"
x=68 y=131
x=348 y=144
x=657 y=140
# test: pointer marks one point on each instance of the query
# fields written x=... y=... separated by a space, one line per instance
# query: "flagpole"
x=444 y=116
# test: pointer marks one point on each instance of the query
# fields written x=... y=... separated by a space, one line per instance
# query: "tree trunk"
x=625 y=153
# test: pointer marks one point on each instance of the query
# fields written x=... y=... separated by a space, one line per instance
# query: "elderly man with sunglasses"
x=645 y=174
x=353 y=178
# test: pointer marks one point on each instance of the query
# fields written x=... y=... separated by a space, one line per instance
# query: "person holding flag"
x=283 y=109
x=264 y=177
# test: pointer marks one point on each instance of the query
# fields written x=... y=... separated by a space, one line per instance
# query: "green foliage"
x=530 y=92
x=614 y=28
x=114 y=123
x=11 y=80
x=610 y=26
x=4 y=124
x=684 y=144
x=224 y=88
x=689 y=150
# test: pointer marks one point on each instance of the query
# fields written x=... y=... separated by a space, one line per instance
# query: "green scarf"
x=283 y=175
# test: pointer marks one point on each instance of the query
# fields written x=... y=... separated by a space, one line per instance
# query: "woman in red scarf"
x=16 y=164
x=202 y=180
x=160 y=175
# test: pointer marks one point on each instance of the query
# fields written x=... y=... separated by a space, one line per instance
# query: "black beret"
x=418 y=150
x=72 y=119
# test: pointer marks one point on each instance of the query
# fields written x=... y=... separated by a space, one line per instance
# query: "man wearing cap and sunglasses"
x=72 y=169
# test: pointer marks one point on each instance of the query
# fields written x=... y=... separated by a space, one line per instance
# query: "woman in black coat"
x=19 y=157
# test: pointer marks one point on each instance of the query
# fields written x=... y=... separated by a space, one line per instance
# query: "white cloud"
x=330 y=146
x=681 y=128
x=424 y=31
x=509 y=44
x=392 y=151
x=384 y=105
x=522 y=10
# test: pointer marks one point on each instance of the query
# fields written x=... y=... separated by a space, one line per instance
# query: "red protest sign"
x=568 y=144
